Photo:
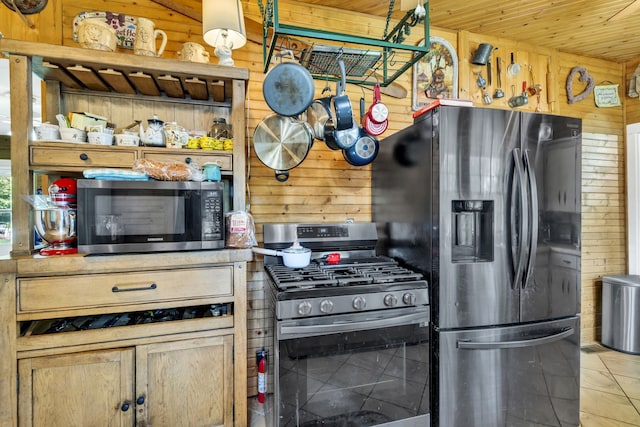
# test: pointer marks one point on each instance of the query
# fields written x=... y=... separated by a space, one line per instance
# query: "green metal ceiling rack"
x=367 y=60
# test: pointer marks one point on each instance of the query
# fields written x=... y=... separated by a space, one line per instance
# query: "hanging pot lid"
x=282 y=143
x=26 y=7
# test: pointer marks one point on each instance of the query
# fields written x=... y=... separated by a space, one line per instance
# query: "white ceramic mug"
x=145 y=41
x=193 y=52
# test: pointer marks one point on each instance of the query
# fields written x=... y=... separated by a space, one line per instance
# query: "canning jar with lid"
x=220 y=129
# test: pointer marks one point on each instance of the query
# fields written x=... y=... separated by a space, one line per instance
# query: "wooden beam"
x=626 y=11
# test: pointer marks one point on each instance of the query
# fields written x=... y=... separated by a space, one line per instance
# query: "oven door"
x=360 y=369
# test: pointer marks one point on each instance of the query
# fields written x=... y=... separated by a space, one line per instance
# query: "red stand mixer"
x=56 y=224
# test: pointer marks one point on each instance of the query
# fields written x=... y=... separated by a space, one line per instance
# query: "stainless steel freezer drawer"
x=527 y=374
x=621 y=313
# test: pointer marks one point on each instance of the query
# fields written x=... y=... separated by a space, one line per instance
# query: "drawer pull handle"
x=143 y=288
x=187 y=160
x=83 y=156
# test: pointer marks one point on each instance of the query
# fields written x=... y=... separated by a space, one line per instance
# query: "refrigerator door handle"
x=498 y=345
x=533 y=213
x=524 y=218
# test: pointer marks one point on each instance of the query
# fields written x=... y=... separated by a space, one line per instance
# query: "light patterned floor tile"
x=629 y=367
x=592 y=361
x=609 y=406
x=630 y=386
x=590 y=420
x=600 y=380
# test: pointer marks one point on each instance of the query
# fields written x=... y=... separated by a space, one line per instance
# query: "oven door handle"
x=301 y=331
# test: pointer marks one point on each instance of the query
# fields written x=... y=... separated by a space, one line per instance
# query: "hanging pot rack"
x=367 y=60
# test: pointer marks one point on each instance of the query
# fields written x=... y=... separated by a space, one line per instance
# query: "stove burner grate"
x=356 y=272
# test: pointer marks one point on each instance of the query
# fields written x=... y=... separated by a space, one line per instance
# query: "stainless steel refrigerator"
x=486 y=203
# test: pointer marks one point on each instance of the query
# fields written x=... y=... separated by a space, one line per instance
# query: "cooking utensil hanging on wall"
x=499 y=93
x=514 y=68
x=318 y=113
x=288 y=88
x=376 y=120
x=482 y=83
x=366 y=147
x=342 y=111
x=282 y=143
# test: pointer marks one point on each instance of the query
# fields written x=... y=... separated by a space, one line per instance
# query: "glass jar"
x=220 y=129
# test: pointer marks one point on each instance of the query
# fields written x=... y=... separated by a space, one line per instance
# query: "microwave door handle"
x=499 y=345
x=533 y=213
x=341 y=327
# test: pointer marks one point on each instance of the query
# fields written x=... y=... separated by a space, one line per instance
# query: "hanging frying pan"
x=363 y=152
x=288 y=88
x=378 y=112
x=282 y=143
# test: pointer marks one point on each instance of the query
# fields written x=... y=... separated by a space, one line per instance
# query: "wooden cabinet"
x=175 y=384
x=563 y=275
x=560 y=187
x=189 y=370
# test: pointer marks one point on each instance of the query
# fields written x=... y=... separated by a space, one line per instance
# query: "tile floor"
x=609 y=396
x=609 y=388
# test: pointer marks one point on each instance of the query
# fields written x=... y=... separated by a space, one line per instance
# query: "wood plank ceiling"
x=583 y=27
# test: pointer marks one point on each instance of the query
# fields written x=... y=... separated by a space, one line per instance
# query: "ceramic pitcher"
x=145 y=41
x=193 y=52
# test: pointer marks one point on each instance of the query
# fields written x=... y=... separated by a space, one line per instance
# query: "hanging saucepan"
x=288 y=88
x=282 y=143
x=295 y=256
x=342 y=111
x=376 y=120
x=318 y=113
x=329 y=135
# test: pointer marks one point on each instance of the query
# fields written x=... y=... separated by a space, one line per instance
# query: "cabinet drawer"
x=75 y=155
x=98 y=290
x=564 y=260
x=224 y=160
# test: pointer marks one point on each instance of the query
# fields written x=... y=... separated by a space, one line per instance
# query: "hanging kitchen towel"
x=606 y=95
x=634 y=84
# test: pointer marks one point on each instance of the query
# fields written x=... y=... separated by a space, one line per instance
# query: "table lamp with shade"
x=223 y=27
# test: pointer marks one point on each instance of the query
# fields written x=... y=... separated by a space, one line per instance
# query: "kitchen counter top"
x=37 y=265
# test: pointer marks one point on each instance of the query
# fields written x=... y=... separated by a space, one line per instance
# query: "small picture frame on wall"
x=435 y=76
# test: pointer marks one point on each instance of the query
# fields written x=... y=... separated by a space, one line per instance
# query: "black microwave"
x=149 y=216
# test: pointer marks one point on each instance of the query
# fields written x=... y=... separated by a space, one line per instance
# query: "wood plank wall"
x=326 y=189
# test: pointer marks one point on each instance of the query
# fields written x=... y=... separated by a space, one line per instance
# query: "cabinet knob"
x=140 y=400
x=83 y=156
x=125 y=406
x=187 y=160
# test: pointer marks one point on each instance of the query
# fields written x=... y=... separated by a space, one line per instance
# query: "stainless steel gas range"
x=351 y=341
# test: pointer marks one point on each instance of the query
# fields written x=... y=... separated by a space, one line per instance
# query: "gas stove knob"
x=359 y=303
x=326 y=306
x=304 y=308
x=409 y=298
x=390 y=300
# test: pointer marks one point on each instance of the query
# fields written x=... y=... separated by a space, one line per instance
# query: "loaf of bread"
x=240 y=230
x=166 y=171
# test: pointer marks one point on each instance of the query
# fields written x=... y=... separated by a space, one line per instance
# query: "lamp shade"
x=223 y=23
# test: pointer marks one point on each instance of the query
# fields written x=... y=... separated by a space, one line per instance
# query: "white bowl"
x=101 y=138
x=73 y=135
x=47 y=132
x=127 y=139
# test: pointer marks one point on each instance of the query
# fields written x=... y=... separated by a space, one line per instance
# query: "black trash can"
x=621 y=313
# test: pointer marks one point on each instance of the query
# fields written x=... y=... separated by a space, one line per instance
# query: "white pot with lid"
x=295 y=256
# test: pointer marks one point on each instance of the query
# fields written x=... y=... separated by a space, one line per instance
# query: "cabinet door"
x=560 y=189
x=185 y=383
x=77 y=390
